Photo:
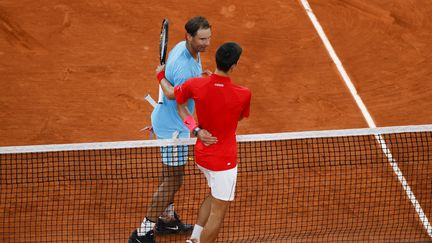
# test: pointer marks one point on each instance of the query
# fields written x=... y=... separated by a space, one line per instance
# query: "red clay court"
x=75 y=72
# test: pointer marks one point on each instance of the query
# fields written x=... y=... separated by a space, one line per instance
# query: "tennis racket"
x=163 y=46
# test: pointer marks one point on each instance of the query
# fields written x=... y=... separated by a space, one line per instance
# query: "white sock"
x=196 y=233
x=169 y=211
x=146 y=226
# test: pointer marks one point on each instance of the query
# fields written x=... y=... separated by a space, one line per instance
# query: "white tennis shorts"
x=221 y=183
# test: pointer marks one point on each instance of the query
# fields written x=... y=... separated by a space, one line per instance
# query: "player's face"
x=201 y=40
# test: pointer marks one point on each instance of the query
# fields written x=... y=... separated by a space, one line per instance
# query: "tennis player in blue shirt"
x=184 y=62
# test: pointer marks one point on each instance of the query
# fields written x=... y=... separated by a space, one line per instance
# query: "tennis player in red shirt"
x=220 y=105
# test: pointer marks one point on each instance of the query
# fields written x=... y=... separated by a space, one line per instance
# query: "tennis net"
x=320 y=186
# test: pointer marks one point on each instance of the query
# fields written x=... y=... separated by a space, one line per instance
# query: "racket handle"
x=150 y=100
x=160 y=98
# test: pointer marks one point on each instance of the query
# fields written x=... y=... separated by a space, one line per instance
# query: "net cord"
x=191 y=141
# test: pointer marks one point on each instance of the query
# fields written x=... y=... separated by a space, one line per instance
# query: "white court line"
x=423 y=218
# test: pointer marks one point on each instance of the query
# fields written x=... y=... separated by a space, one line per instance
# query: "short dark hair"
x=196 y=23
x=227 y=55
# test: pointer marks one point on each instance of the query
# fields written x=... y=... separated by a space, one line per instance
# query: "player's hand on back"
x=206 y=137
x=207 y=73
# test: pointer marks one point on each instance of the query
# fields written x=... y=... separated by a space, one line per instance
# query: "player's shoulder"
x=178 y=50
x=242 y=89
x=242 y=92
x=198 y=81
x=180 y=46
x=175 y=61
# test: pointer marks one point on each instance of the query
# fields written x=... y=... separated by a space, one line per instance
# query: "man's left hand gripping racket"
x=163 y=46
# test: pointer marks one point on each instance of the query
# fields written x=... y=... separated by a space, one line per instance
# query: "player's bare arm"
x=166 y=86
x=207 y=72
x=205 y=136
